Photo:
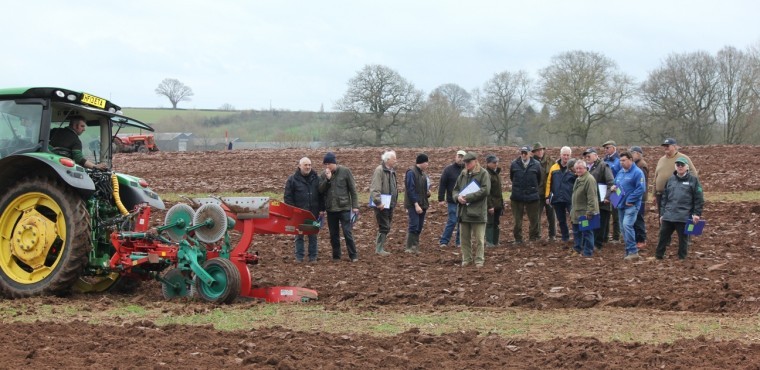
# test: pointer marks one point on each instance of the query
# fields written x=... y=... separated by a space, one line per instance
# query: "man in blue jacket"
x=630 y=179
x=445 y=189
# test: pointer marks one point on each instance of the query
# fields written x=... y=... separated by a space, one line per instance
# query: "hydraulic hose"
x=117 y=200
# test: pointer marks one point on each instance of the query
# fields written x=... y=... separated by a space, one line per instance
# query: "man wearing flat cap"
x=665 y=165
x=471 y=192
x=612 y=158
x=495 y=201
x=416 y=201
x=539 y=154
x=526 y=175
x=602 y=174
x=338 y=188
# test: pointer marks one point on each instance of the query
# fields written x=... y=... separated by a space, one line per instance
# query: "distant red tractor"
x=130 y=143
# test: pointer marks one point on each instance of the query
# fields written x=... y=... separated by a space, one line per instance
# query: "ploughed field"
x=716 y=284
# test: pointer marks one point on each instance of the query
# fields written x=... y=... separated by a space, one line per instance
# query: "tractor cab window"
x=19 y=127
x=90 y=138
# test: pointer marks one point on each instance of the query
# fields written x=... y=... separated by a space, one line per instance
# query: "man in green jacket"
x=585 y=203
x=546 y=161
x=338 y=187
x=471 y=192
x=383 y=195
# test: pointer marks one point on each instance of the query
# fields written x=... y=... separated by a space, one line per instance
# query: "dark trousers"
x=550 y=217
x=526 y=208
x=666 y=232
x=384 y=218
x=335 y=222
x=603 y=232
x=615 y=225
x=562 y=211
x=416 y=221
x=639 y=227
x=492 y=226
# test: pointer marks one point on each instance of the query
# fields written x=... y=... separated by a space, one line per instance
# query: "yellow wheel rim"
x=32 y=237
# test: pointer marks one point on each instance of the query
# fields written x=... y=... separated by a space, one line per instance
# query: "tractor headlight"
x=111 y=110
x=59 y=93
x=71 y=97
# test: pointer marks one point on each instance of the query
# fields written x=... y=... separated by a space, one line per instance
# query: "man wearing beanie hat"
x=445 y=190
x=471 y=192
x=539 y=154
x=338 y=188
x=495 y=201
x=416 y=201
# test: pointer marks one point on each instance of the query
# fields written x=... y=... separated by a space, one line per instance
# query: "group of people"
x=580 y=195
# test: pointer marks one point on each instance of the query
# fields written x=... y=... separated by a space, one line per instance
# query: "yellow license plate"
x=93 y=100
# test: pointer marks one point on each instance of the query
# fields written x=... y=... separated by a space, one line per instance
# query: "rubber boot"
x=416 y=243
x=495 y=236
x=489 y=235
x=409 y=243
x=380 y=244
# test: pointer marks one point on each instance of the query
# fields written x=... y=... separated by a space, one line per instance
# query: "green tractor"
x=56 y=216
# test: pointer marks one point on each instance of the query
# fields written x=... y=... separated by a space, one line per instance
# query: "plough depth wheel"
x=226 y=287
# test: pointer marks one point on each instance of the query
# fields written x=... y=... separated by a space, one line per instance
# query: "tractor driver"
x=65 y=141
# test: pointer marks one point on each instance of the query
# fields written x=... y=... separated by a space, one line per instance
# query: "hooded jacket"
x=683 y=198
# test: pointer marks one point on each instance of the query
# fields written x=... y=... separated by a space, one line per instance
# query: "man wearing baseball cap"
x=445 y=188
x=665 y=166
x=539 y=154
x=682 y=200
x=525 y=173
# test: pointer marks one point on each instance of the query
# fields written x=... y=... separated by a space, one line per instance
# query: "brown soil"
x=719 y=277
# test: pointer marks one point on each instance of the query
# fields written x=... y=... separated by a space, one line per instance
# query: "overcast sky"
x=298 y=55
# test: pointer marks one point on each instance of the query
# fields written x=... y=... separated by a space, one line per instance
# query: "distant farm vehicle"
x=130 y=143
x=64 y=227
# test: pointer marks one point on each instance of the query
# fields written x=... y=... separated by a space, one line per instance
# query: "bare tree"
x=378 y=104
x=439 y=123
x=174 y=90
x=583 y=88
x=458 y=97
x=500 y=103
x=739 y=78
x=685 y=92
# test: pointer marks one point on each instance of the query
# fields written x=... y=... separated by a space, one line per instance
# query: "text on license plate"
x=93 y=100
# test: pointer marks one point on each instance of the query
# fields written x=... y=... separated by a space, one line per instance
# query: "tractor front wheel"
x=44 y=238
x=226 y=285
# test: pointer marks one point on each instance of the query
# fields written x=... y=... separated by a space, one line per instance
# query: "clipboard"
x=694 y=229
x=472 y=187
x=585 y=224
x=385 y=199
x=617 y=197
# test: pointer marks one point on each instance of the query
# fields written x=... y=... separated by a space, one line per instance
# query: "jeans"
x=562 y=210
x=335 y=222
x=666 y=232
x=639 y=227
x=312 y=247
x=627 y=217
x=451 y=222
x=584 y=241
x=416 y=221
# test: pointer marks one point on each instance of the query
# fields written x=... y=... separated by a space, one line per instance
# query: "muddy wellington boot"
x=495 y=236
x=416 y=243
x=409 y=243
x=489 y=235
x=380 y=244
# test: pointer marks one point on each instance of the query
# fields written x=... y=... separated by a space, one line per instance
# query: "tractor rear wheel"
x=44 y=238
x=142 y=149
x=226 y=285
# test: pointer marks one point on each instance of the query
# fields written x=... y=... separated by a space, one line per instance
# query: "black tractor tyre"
x=142 y=149
x=65 y=257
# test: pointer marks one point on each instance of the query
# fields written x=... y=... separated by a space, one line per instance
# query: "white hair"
x=565 y=149
x=580 y=162
x=303 y=160
x=388 y=155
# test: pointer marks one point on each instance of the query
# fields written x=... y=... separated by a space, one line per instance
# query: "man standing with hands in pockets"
x=338 y=187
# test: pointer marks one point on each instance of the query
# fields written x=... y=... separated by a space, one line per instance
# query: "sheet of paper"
x=385 y=199
x=472 y=187
x=602 y=191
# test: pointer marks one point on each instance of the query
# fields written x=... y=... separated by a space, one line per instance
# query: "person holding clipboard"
x=383 y=194
x=681 y=201
x=471 y=192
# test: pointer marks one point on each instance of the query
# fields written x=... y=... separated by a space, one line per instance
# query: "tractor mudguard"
x=133 y=193
x=17 y=166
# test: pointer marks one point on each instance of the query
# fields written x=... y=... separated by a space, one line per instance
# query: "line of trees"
x=582 y=97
